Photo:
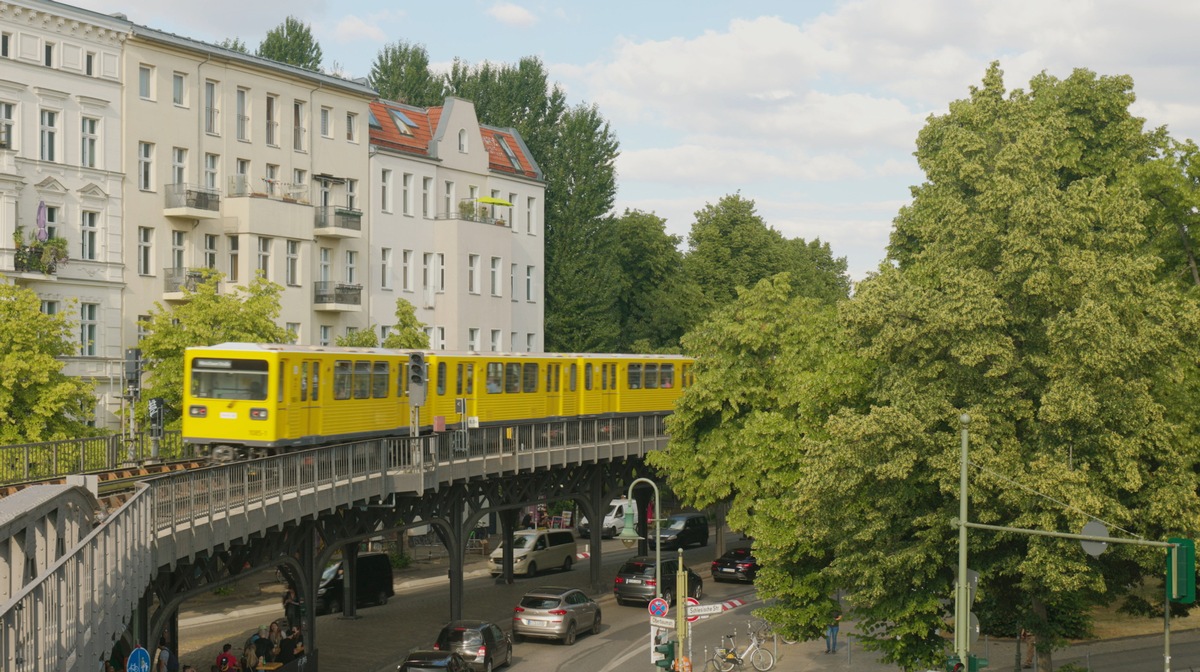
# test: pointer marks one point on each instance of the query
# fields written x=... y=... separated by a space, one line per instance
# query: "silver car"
x=555 y=613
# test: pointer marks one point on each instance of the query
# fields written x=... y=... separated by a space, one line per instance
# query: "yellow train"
x=249 y=400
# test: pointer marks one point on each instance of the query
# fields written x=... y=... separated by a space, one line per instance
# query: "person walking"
x=291 y=607
x=831 y=632
x=1029 y=640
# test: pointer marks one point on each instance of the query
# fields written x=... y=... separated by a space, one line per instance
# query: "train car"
x=249 y=400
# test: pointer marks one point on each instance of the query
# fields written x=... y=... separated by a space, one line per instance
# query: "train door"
x=553 y=389
x=309 y=389
x=288 y=415
x=609 y=400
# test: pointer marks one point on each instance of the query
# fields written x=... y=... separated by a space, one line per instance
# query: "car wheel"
x=612 y=532
x=487 y=665
x=382 y=598
x=569 y=638
x=567 y=564
x=596 y=623
x=508 y=654
x=531 y=570
x=698 y=590
x=669 y=596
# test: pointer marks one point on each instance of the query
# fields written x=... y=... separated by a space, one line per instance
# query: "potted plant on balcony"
x=37 y=255
x=466 y=210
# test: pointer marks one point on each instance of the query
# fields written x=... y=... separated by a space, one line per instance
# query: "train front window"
x=229 y=379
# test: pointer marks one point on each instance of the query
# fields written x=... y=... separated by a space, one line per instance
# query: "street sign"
x=692 y=602
x=1094 y=528
x=139 y=661
x=704 y=610
x=659 y=622
x=658 y=607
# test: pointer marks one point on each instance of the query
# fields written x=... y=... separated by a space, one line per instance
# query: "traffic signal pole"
x=962 y=601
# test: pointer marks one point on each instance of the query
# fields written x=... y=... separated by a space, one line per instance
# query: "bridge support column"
x=457 y=546
x=350 y=581
x=308 y=590
x=508 y=524
x=596 y=529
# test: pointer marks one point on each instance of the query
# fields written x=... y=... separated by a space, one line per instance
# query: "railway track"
x=114 y=485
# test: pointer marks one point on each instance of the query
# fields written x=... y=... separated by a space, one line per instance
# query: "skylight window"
x=372 y=121
x=403 y=123
x=512 y=156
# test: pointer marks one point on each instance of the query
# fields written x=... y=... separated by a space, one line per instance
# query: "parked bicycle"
x=766 y=631
x=728 y=657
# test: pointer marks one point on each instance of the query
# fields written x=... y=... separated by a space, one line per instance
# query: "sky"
x=810 y=109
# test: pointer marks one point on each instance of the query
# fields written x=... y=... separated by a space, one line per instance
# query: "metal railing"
x=328 y=291
x=29 y=462
x=338 y=217
x=182 y=195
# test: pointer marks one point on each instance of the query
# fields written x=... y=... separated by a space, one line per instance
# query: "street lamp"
x=629 y=537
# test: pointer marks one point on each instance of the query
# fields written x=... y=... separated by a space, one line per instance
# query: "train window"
x=666 y=376
x=587 y=376
x=604 y=376
x=512 y=378
x=471 y=378
x=379 y=380
x=531 y=377
x=341 y=379
x=635 y=376
x=651 y=377
x=495 y=377
x=362 y=380
x=316 y=379
x=549 y=377
x=557 y=377
x=304 y=381
x=572 y=373
x=441 y=378
x=402 y=381
x=458 y=381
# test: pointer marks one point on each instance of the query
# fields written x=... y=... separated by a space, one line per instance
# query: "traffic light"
x=133 y=369
x=417 y=375
x=667 y=649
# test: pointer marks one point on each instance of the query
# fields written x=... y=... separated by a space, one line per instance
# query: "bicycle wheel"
x=722 y=663
x=762 y=660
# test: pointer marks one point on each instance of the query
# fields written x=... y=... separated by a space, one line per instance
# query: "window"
x=48 y=55
x=210 y=251
x=406 y=258
x=512 y=341
x=293 y=263
x=272 y=179
x=512 y=282
x=666 y=376
x=496 y=338
x=299 y=177
x=146 y=82
x=49 y=307
x=351 y=267
x=384 y=330
x=326 y=334
x=473 y=273
x=243 y=167
x=635 y=376
x=264 y=256
x=5 y=39
x=406 y=203
x=441 y=340
x=529 y=213
x=352 y=194
x=243 y=112
x=272 y=121
x=426 y=262
x=385 y=190
x=177 y=249
x=529 y=377
x=87 y=328
x=89 y=64
x=211 y=162
x=462 y=140
x=233 y=259
x=529 y=283
x=352 y=127
x=143 y=327
x=52 y=221
x=6 y=126
x=49 y=136
x=379 y=380
x=178 y=165
x=426 y=187
x=89 y=134
x=144 y=259
x=448 y=197
x=325 y=263
x=293 y=328
x=441 y=278
x=211 y=111
x=385 y=268
x=178 y=88
x=88 y=224
x=298 y=123
x=528 y=342
x=326 y=127
x=146 y=166
x=496 y=276
x=512 y=220
x=473 y=339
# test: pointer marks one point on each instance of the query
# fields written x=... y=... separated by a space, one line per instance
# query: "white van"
x=614 y=520
x=534 y=550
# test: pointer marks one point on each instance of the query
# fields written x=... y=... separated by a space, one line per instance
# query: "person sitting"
x=226 y=661
x=287 y=647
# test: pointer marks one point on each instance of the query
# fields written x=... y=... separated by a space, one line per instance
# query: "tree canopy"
x=401 y=72
x=1022 y=287
x=292 y=42
x=38 y=402
x=408 y=333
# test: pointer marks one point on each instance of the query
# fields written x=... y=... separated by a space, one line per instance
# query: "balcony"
x=336 y=221
x=38 y=259
x=470 y=211
x=176 y=280
x=192 y=201
x=266 y=207
x=337 y=297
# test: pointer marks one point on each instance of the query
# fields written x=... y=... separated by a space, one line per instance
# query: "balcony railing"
x=482 y=216
x=41 y=257
x=192 y=196
x=179 y=278
x=328 y=291
x=338 y=217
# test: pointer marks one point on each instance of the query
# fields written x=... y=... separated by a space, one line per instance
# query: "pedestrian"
x=291 y=607
x=831 y=632
x=226 y=661
x=527 y=522
x=1030 y=642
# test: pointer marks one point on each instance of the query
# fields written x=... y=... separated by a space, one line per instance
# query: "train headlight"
x=198 y=411
x=258 y=414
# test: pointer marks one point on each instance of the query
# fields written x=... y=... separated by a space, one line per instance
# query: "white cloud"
x=512 y=15
x=705 y=165
x=353 y=29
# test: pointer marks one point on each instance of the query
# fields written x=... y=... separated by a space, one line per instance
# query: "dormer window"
x=462 y=140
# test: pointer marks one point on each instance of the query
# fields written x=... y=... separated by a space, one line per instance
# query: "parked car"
x=534 y=549
x=482 y=644
x=737 y=564
x=373 y=583
x=433 y=661
x=637 y=578
x=555 y=613
x=683 y=530
x=614 y=520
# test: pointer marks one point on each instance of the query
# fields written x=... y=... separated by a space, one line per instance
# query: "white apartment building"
x=456 y=227
x=61 y=177
x=243 y=165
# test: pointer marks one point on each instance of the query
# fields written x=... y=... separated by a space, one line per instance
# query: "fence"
x=27 y=462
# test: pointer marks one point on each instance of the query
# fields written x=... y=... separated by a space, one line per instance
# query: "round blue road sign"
x=658 y=607
x=139 y=661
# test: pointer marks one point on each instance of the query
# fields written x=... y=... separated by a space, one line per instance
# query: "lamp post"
x=629 y=537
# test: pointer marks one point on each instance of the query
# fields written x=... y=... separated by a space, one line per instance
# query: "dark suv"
x=682 y=530
x=483 y=645
x=637 y=577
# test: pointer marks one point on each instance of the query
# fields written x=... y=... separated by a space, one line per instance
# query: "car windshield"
x=677 y=523
x=330 y=572
x=539 y=602
x=639 y=568
x=521 y=541
x=464 y=636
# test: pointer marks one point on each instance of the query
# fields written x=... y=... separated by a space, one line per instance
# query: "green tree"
x=209 y=315
x=408 y=333
x=292 y=42
x=37 y=401
x=234 y=44
x=401 y=72
x=655 y=299
x=359 y=338
x=1021 y=287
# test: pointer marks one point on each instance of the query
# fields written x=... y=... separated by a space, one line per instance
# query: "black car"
x=637 y=578
x=682 y=530
x=433 y=661
x=736 y=565
x=481 y=643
